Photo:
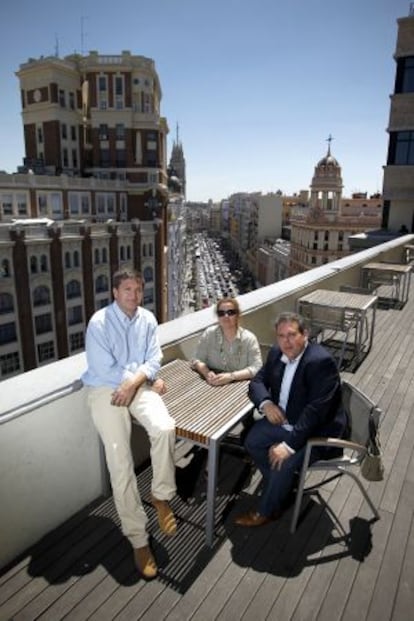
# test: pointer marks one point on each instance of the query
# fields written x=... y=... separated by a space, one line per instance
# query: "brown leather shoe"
x=166 y=519
x=145 y=562
x=252 y=518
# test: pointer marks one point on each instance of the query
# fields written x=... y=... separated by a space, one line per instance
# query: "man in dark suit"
x=298 y=392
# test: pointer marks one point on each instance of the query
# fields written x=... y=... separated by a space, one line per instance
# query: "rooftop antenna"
x=56 y=46
x=83 y=34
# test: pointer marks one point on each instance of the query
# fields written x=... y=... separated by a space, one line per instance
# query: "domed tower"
x=326 y=186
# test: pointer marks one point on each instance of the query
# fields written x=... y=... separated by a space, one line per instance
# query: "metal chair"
x=323 y=319
x=360 y=410
x=385 y=279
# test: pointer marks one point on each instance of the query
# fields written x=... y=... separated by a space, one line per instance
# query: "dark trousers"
x=276 y=483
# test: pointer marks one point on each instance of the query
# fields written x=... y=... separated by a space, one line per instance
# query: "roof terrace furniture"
x=394 y=275
x=360 y=408
x=331 y=313
x=204 y=415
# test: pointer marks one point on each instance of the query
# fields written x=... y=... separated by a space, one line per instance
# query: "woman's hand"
x=219 y=379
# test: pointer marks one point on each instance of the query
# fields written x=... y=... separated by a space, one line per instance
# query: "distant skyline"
x=256 y=87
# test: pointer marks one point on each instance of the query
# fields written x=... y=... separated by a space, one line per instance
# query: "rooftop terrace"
x=62 y=552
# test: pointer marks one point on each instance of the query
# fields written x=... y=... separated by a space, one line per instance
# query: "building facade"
x=91 y=197
x=320 y=231
x=398 y=184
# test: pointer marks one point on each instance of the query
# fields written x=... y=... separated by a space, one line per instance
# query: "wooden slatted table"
x=204 y=415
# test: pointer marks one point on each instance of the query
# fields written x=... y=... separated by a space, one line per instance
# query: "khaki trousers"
x=114 y=427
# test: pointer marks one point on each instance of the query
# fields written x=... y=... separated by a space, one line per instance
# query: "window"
x=71 y=100
x=105 y=158
x=110 y=205
x=21 y=204
x=404 y=148
x=101 y=303
x=405 y=75
x=33 y=265
x=39 y=135
x=65 y=158
x=42 y=204
x=102 y=83
x=44 y=263
x=64 y=131
x=101 y=284
x=9 y=363
x=68 y=260
x=75 y=315
x=119 y=92
x=62 y=99
x=73 y=132
x=86 y=205
x=120 y=131
x=73 y=204
x=6 y=303
x=103 y=132
x=148 y=295
x=148 y=274
x=7 y=204
x=120 y=158
x=74 y=158
x=43 y=323
x=8 y=333
x=97 y=256
x=41 y=296
x=73 y=289
x=76 y=259
x=104 y=255
x=76 y=341
x=56 y=205
x=5 y=268
x=45 y=351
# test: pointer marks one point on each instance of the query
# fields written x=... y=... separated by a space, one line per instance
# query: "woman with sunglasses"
x=227 y=352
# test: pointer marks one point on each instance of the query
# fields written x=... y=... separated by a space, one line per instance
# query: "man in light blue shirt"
x=124 y=355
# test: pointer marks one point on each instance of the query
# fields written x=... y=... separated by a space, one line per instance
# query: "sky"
x=255 y=86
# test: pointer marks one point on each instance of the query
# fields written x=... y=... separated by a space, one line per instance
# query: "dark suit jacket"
x=314 y=404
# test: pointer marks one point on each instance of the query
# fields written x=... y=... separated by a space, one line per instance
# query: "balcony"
x=61 y=550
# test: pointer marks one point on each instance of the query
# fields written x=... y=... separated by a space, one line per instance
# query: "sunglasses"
x=230 y=313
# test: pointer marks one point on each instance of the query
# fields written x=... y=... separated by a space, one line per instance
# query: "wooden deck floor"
x=338 y=566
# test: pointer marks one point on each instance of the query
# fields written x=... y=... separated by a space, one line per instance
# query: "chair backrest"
x=352 y=289
x=363 y=414
x=327 y=317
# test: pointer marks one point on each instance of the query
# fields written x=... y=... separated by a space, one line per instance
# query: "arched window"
x=33 y=265
x=97 y=258
x=41 y=296
x=104 y=255
x=73 y=289
x=128 y=253
x=6 y=303
x=101 y=284
x=76 y=261
x=122 y=253
x=68 y=259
